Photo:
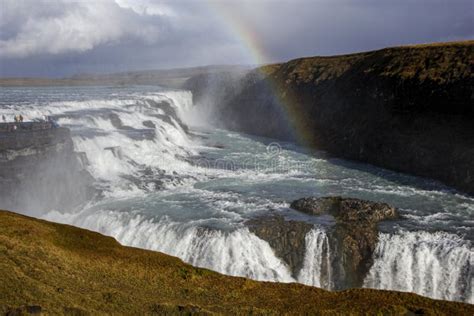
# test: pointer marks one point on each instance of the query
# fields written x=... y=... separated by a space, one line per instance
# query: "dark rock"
x=316 y=206
x=169 y=112
x=149 y=124
x=117 y=122
x=287 y=238
x=353 y=237
x=345 y=209
x=39 y=171
x=407 y=109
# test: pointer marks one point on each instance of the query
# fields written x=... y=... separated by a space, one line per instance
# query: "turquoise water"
x=189 y=193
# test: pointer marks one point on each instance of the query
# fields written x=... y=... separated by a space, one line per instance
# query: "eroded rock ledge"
x=287 y=238
x=352 y=238
x=39 y=170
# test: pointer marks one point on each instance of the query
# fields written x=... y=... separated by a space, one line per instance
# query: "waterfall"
x=438 y=265
x=316 y=270
x=139 y=150
x=237 y=253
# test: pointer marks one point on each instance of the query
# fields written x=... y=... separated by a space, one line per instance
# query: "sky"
x=58 y=38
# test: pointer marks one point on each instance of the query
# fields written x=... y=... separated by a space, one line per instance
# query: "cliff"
x=39 y=169
x=409 y=109
x=351 y=239
x=59 y=269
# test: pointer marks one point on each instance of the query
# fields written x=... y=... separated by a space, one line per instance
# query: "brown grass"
x=438 y=62
x=67 y=270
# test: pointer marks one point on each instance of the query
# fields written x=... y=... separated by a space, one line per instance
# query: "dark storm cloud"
x=336 y=27
x=59 y=37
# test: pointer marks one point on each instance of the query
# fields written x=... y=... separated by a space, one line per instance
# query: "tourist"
x=54 y=124
x=4 y=119
x=21 y=118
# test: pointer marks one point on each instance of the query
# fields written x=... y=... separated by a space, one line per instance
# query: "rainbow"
x=253 y=48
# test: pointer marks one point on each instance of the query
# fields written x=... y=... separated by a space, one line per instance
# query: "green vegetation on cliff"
x=60 y=269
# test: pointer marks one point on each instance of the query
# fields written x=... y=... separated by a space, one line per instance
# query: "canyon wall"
x=39 y=170
x=409 y=109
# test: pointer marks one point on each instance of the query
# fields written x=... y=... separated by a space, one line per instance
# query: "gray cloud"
x=59 y=37
x=47 y=27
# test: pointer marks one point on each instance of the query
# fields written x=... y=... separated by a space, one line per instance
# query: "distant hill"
x=60 y=269
x=171 y=78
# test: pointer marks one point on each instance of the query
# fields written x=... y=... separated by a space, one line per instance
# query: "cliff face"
x=351 y=239
x=59 y=269
x=409 y=109
x=39 y=171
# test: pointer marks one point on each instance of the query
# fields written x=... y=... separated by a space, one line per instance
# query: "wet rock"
x=353 y=237
x=149 y=124
x=287 y=238
x=115 y=120
x=345 y=209
x=39 y=170
x=169 y=112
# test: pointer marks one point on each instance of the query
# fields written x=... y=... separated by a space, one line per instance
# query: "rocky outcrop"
x=287 y=238
x=409 y=109
x=352 y=238
x=346 y=210
x=40 y=171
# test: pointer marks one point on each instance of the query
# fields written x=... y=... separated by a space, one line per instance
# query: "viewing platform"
x=27 y=134
x=12 y=127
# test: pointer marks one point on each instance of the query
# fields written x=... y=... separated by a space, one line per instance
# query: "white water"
x=163 y=189
x=317 y=260
x=237 y=253
x=437 y=265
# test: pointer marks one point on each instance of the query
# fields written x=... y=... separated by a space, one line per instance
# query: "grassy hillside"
x=439 y=62
x=63 y=269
